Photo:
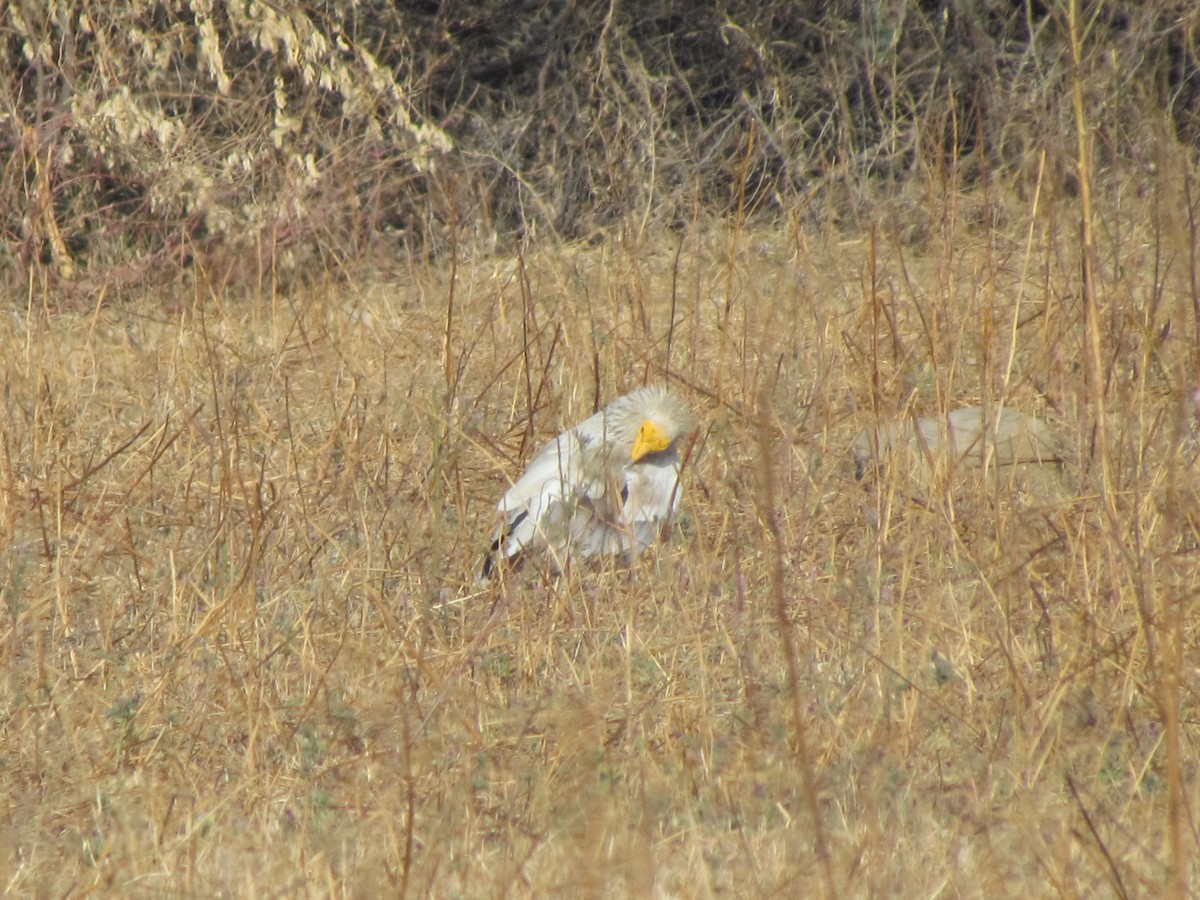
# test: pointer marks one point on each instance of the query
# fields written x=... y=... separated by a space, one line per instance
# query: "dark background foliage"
x=145 y=137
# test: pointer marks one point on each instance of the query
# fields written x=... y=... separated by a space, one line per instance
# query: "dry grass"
x=244 y=652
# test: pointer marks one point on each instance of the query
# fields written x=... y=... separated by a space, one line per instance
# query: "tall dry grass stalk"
x=1159 y=615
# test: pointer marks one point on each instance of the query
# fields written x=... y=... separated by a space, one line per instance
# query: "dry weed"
x=244 y=652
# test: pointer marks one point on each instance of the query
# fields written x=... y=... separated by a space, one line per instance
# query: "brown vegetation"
x=243 y=647
x=249 y=141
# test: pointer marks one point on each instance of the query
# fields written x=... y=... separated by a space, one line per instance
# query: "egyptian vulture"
x=606 y=487
x=969 y=435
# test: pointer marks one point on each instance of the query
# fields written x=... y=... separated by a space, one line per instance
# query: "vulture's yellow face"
x=650 y=438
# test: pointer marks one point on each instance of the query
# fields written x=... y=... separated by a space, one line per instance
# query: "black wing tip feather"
x=489 y=561
x=494 y=556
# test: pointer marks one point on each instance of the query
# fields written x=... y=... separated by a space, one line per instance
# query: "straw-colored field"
x=245 y=653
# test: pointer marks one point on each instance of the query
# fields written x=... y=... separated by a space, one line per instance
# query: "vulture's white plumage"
x=606 y=487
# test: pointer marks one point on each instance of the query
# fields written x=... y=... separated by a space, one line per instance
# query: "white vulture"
x=606 y=487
